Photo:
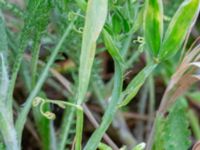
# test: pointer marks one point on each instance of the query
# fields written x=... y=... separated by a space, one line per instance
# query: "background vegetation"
x=99 y=74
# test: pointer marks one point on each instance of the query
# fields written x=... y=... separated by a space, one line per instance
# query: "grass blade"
x=110 y=111
x=95 y=19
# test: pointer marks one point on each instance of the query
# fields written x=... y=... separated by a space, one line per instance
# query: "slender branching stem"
x=23 y=114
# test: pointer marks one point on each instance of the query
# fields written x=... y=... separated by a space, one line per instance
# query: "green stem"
x=194 y=123
x=23 y=114
x=35 y=57
x=110 y=112
x=79 y=128
x=65 y=129
x=15 y=71
x=8 y=131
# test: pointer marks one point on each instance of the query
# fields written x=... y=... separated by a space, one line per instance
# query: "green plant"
x=92 y=48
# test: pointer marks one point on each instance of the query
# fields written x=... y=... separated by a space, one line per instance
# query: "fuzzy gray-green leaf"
x=177 y=134
x=3 y=37
x=182 y=21
x=153 y=24
x=4 y=78
x=95 y=19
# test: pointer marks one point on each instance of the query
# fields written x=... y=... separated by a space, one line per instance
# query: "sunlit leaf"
x=153 y=24
x=180 y=24
x=95 y=19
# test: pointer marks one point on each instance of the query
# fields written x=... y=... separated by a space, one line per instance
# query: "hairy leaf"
x=37 y=15
x=40 y=12
x=159 y=133
x=182 y=21
x=172 y=133
x=95 y=19
x=3 y=37
x=35 y=20
x=153 y=24
x=15 y=9
x=4 y=78
x=177 y=134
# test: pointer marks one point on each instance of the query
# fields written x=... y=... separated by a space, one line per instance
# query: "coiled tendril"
x=38 y=101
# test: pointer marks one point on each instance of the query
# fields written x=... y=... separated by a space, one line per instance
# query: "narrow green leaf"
x=95 y=19
x=110 y=110
x=180 y=24
x=136 y=84
x=140 y=146
x=103 y=146
x=153 y=25
x=112 y=49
